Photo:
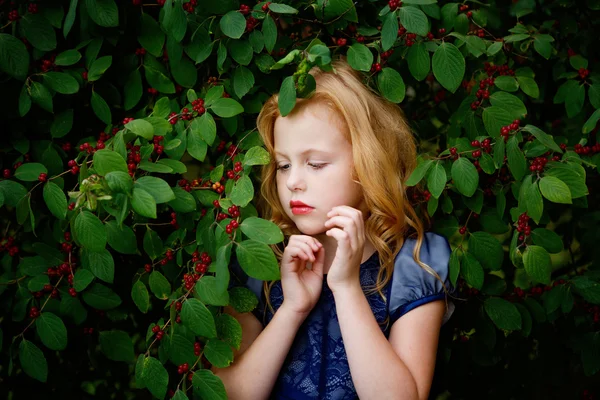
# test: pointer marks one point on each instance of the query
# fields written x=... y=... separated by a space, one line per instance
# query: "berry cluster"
x=190 y=6
x=34 y=312
x=136 y=3
x=410 y=39
x=140 y=51
x=341 y=42
x=159 y=332
x=583 y=73
x=189 y=280
x=244 y=9
x=265 y=6
x=152 y=91
x=465 y=7
x=13 y=15
x=148 y=267
x=183 y=368
x=197 y=349
x=168 y=257
x=538 y=164
x=523 y=226
x=483 y=92
x=571 y=52
x=212 y=80
x=506 y=130
x=480 y=33
x=66 y=147
x=49 y=64
x=133 y=158
x=394 y=4
x=485 y=145
x=158 y=147
x=442 y=31
x=401 y=31
x=426 y=195
x=231 y=227
x=198 y=105
x=160 y=2
x=174 y=220
x=376 y=67
x=430 y=36
x=9 y=244
x=501 y=69
x=579 y=149
x=43 y=177
x=185 y=184
x=232 y=151
x=462 y=230
x=251 y=23
x=88 y=331
x=440 y=95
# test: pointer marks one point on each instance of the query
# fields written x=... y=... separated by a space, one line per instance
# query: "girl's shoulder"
x=411 y=284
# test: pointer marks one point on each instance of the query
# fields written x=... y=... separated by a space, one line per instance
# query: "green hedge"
x=129 y=145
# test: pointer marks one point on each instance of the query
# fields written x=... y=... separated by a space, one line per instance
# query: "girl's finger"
x=317 y=266
x=348 y=225
x=342 y=238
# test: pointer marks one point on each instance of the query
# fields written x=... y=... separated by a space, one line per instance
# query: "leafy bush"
x=128 y=155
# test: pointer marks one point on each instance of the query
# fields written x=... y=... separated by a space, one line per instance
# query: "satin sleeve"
x=412 y=286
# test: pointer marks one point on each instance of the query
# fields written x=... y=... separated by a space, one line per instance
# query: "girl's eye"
x=314 y=166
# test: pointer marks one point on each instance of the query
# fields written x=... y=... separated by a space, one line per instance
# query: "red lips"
x=296 y=203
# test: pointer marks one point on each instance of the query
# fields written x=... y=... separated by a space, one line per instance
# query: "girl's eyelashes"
x=314 y=166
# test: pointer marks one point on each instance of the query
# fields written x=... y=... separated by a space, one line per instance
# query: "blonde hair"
x=382 y=142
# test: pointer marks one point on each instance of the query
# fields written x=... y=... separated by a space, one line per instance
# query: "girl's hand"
x=345 y=269
x=301 y=286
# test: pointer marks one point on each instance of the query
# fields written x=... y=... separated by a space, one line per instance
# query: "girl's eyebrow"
x=306 y=152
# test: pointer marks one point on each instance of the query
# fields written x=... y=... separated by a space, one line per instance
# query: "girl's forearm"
x=377 y=371
x=254 y=373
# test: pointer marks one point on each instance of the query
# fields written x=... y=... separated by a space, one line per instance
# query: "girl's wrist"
x=293 y=314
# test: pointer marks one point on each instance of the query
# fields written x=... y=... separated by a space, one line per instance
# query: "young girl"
x=363 y=290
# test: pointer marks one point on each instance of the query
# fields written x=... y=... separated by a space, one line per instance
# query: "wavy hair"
x=384 y=153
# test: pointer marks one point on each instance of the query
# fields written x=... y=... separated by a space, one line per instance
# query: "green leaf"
x=537 y=263
x=198 y=318
x=103 y=12
x=100 y=297
x=544 y=138
x=101 y=264
x=99 y=67
x=177 y=166
x=88 y=231
x=208 y=292
x=360 y=57
x=506 y=83
x=37 y=283
x=233 y=24
x=575 y=100
x=529 y=86
x=269 y=31
x=535 y=203
x=555 y=190
x=242 y=192
x=448 y=66
x=261 y=230
x=116 y=345
x=282 y=8
x=158 y=80
x=101 y=108
x=226 y=107
x=257 y=260
x=419 y=61
x=158 y=188
x=55 y=200
x=52 y=331
x=196 y=146
x=106 y=161
x=184 y=202
x=14 y=57
x=547 y=239
x=287 y=96
x=38 y=31
x=70 y=17
x=591 y=123
x=241 y=51
x=155 y=167
x=419 y=172
x=29 y=172
x=68 y=57
x=33 y=361
x=159 y=285
x=389 y=31
x=153 y=245
x=487 y=250
x=543 y=47
x=208 y=386
x=511 y=103
x=436 y=181
x=391 y=85
x=143 y=203
x=503 y=313
x=24 y=101
x=41 y=96
x=140 y=296
x=465 y=176
x=205 y=127
x=494 y=118
x=133 y=90
x=62 y=124
x=243 y=81
x=82 y=279
x=121 y=238
x=516 y=160
x=155 y=376
x=218 y=353
x=414 y=20
x=119 y=181
x=472 y=271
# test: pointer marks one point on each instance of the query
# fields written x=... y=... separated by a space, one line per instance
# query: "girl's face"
x=314 y=163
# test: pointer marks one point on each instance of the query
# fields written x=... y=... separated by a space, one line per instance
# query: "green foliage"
x=139 y=113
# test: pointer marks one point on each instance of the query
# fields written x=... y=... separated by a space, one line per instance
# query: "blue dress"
x=317 y=366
